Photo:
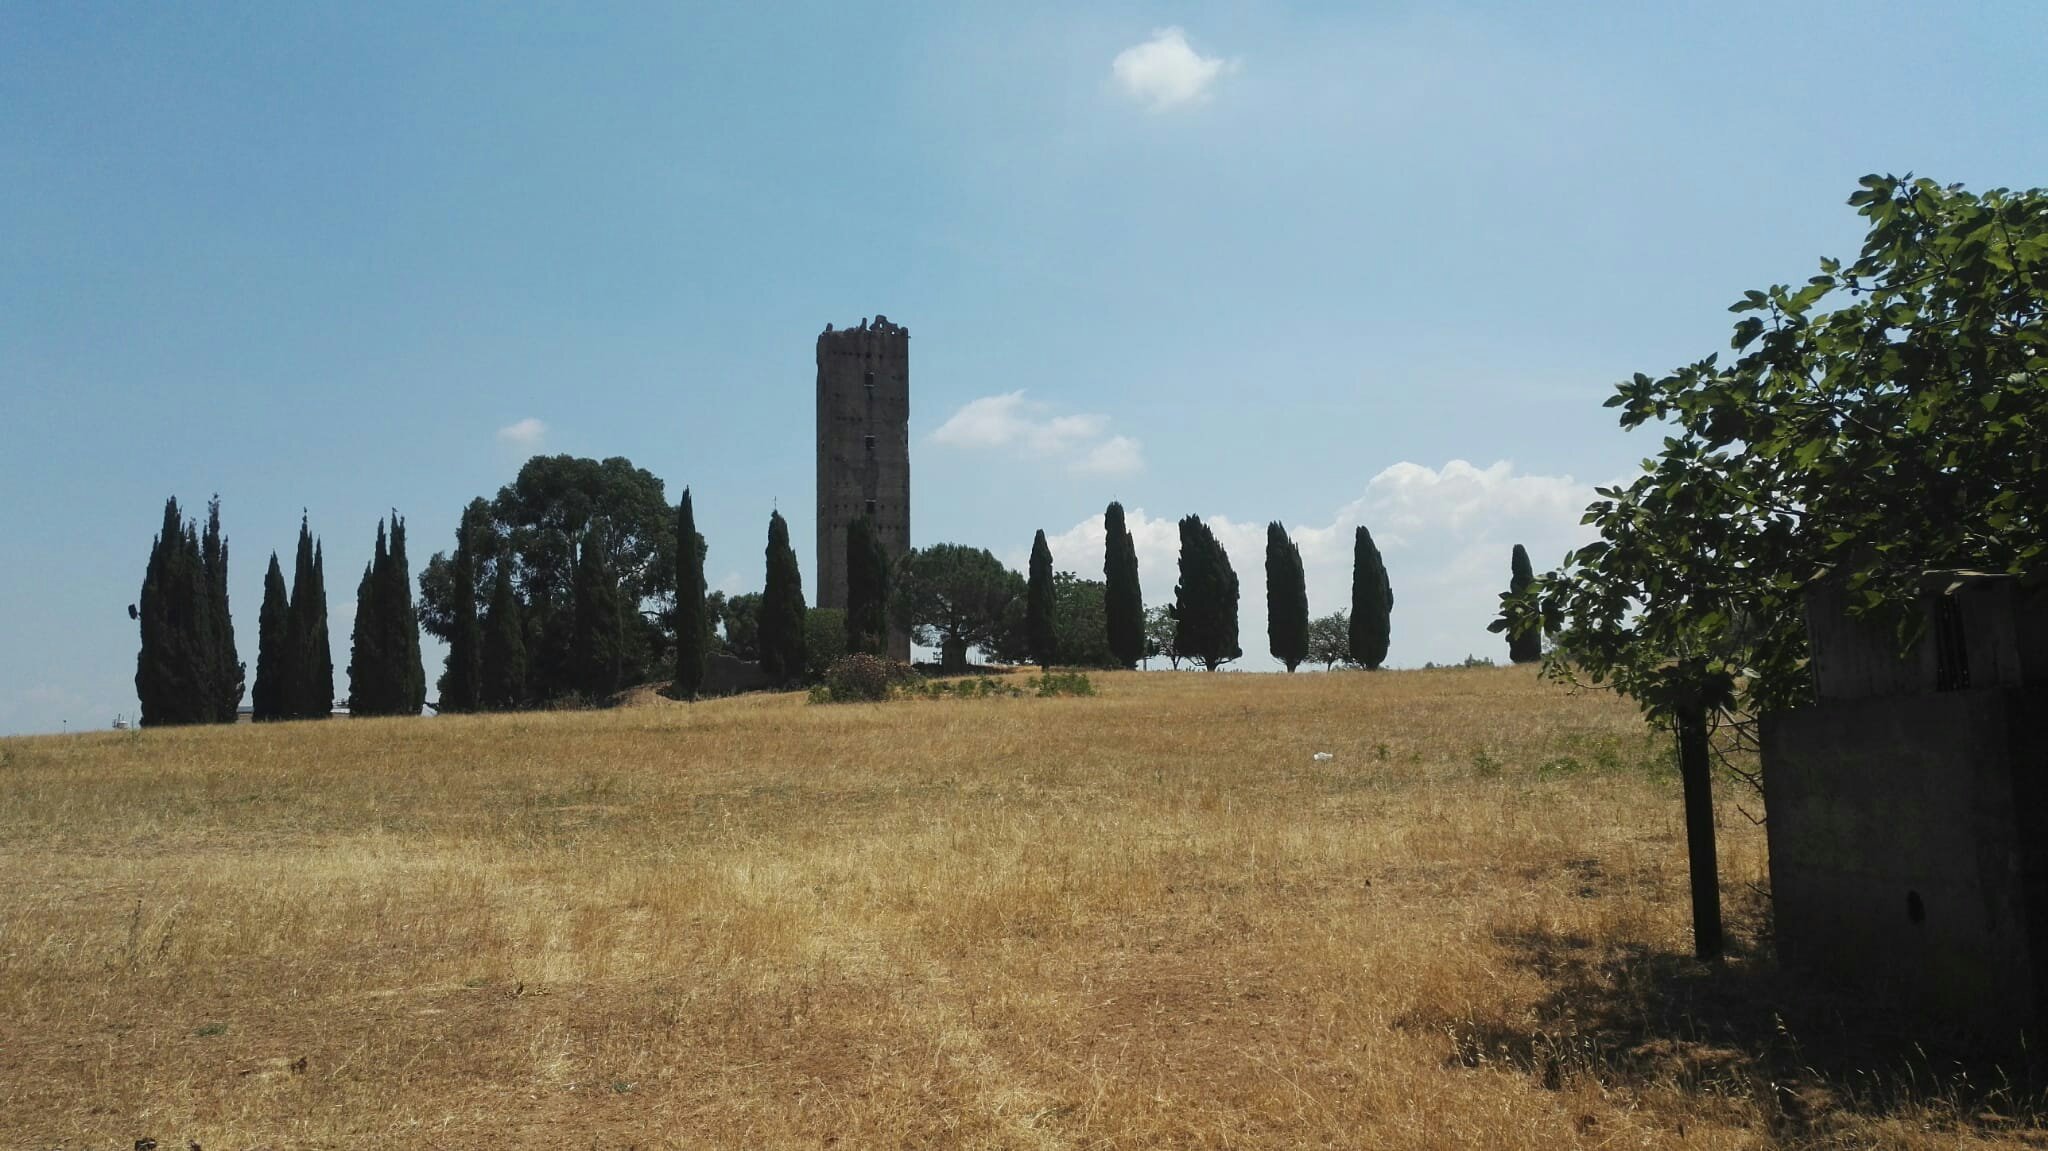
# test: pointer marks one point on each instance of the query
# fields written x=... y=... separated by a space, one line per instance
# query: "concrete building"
x=863 y=449
x=1908 y=807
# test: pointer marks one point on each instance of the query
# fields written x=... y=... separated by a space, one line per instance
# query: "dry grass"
x=1145 y=919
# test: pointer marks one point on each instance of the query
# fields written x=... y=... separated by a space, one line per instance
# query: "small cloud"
x=1115 y=456
x=1166 y=72
x=527 y=433
x=1030 y=429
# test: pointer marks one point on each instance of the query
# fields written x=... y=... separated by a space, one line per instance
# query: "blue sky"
x=1327 y=264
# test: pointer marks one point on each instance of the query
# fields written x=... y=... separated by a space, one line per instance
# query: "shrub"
x=1061 y=683
x=864 y=678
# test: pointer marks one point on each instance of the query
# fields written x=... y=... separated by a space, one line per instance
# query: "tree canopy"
x=1372 y=603
x=1123 y=605
x=1286 y=598
x=1881 y=419
x=1205 y=599
x=1041 y=627
x=954 y=598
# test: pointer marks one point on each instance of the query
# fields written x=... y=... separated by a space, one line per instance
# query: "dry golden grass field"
x=1150 y=918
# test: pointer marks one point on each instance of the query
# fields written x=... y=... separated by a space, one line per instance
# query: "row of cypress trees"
x=186 y=670
x=1205 y=600
x=294 y=659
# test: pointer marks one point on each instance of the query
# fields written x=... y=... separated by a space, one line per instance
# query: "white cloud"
x=1444 y=533
x=1115 y=456
x=1029 y=429
x=1166 y=72
x=527 y=433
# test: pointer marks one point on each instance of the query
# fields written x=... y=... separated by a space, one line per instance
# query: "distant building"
x=863 y=449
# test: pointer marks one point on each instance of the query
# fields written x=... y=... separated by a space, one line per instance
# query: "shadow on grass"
x=1749 y=1042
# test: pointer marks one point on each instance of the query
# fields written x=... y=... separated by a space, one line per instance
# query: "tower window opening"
x=870 y=442
x=871 y=507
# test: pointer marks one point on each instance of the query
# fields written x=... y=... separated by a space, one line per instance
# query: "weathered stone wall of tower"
x=863 y=449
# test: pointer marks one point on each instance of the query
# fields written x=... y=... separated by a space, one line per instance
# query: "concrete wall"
x=1907 y=848
x=863 y=449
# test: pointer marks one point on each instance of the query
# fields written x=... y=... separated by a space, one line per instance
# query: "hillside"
x=1148 y=918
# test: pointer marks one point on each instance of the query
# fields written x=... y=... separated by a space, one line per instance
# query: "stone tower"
x=863 y=449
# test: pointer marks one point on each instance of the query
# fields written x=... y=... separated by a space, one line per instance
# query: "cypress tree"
x=461 y=683
x=266 y=698
x=370 y=689
x=1205 y=600
x=503 y=662
x=401 y=621
x=1372 y=603
x=781 y=623
x=1286 y=598
x=1526 y=647
x=598 y=643
x=693 y=627
x=309 y=678
x=228 y=672
x=1039 y=605
x=867 y=589
x=1123 y=601
x=176 y=675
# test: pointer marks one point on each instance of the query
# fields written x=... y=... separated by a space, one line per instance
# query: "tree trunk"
x=1695 y=770
x=953 y=655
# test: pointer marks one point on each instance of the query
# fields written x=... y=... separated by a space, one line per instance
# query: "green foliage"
x=461 y=686
x=176 y=672
x=742 y=619
x=867 y=589
x=504 y=654
x=309 y=675
x=273 y=657
x=542 y=517
x=824 y=641
x=1372 y=603
x=1525 y=643
x=1870 y=438
x=863 y=677
x=1080 y=633
x=692 y=625
x=600 y=638
x=1040 y=627
x=1123 y=599
x=385 y=675
x=1054 y=683
x=1286 y=598
x=1329 y=639
x=228 y=672
x=1160 y=627
x=783 y=634
x=1205 y=600
x=954 y=597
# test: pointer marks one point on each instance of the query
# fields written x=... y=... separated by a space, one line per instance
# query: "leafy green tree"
x=228 y=671
x=1867 y=439
x=599 y=646
x=543 y=515
x=953 y=597
x=504 y=655
x=782 y=633
x=1160 y=627
x=1040 y=625
x=1329 y=639
x=1123 y=600
x=176 y=672
x=742 y=618
x=1080 y=630
x=461 y=686
x=1525 y=645
x=824 y=641
x=1286 y=598
x=266 y=698
x=1372 y=603
x=867 y=590
x=693 y=628
x=1205 y=600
